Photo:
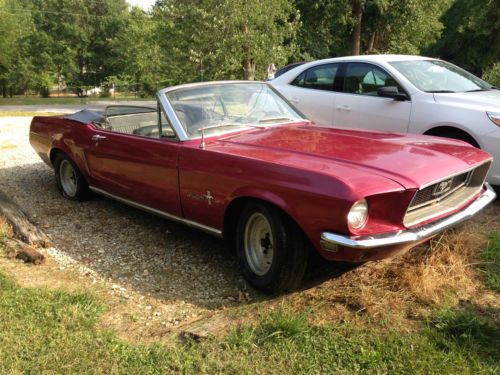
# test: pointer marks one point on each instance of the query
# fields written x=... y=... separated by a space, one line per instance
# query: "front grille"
x=445 y=195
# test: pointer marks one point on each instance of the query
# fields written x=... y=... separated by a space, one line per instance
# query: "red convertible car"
x=236 y=160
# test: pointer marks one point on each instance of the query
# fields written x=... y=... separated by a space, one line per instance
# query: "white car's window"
x=439 y=76
x=321 y=77
x=220 y=108
x=366 y=79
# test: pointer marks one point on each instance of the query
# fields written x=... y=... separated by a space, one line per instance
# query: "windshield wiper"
x=478 y=90
x=441 y=91
x=274 y=119
x=227 y=124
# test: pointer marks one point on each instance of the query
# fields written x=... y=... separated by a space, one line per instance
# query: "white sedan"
x=398 y=93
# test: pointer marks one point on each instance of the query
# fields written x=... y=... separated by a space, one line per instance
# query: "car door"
x=312 y=93
x=134 y=156
x=359 y=106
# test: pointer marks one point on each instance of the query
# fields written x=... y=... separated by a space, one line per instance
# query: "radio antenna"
x=202 y=143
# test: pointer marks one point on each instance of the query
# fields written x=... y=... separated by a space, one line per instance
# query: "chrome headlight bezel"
x=358 y=215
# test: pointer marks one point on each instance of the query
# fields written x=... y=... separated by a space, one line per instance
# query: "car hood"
x=408 y=159
x=482 y=100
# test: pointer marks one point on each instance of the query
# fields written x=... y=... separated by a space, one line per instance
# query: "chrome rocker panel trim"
x=213 y=231
x=330 y=241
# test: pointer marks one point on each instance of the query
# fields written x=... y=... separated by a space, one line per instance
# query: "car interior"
x=135 y=120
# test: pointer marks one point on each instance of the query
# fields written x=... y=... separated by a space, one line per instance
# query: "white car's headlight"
x=358 y=215
x=495 y=117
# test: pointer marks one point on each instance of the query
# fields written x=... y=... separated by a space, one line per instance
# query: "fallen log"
x=216 y=325
x=20 y=223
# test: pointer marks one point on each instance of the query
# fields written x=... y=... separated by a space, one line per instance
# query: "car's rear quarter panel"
x=52 y=133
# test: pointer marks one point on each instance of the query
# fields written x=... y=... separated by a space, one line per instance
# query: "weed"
x=491 y=258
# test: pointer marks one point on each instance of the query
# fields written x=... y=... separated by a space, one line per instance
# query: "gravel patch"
x=137 y=255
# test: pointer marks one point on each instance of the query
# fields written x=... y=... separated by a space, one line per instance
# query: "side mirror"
x=392 y=92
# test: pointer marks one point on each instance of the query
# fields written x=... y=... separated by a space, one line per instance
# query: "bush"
x=492 y=74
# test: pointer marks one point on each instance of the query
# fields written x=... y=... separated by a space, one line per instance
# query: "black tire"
x=456 y=134
x=81 y=188
x=290 y=249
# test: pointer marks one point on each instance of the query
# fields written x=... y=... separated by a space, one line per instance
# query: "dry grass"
x=439 y=274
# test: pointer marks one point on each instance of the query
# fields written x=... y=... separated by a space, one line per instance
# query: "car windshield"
x=226 y=107
x=439 y=76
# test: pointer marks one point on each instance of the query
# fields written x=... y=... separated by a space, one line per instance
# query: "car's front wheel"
x=69 y=179
x=272 y=250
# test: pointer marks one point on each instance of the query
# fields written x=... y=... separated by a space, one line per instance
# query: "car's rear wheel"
x=69 y=179
x=272 y=250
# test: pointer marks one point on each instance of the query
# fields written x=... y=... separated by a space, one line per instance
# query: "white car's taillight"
x=358 y=215
x=495 y=117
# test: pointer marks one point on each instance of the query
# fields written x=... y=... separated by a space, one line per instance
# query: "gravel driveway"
x=134 y=252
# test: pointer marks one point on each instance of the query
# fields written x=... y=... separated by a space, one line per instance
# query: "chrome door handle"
x=98 y=137
x=294 y=100
x=344 y=108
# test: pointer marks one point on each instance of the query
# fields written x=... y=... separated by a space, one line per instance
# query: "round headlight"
x=358 y=214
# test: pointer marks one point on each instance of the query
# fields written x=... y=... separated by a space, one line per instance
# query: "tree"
x=470 y=38
x=324 y=24
x=226 y=39
x=340 y=27
x=15 y=65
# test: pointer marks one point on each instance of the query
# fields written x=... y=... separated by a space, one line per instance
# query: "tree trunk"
x=357 y=11
x=249 y=70
x=372 y=42
x=4 y=88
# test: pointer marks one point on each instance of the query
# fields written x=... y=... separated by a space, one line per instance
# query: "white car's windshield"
x=217 y=108
x=439 y=76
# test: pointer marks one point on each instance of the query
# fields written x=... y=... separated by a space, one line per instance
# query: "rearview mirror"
x=392 y=92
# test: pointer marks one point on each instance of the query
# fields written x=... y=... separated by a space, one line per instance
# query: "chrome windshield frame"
x=182 y=135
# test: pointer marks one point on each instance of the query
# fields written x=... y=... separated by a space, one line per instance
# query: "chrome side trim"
x=213 y=231
x=330 y=241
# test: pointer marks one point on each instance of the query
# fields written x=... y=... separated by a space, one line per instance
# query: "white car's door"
x=312 y=93
x=359 y=106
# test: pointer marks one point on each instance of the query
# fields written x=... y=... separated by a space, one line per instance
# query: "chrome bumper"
x=330 y=241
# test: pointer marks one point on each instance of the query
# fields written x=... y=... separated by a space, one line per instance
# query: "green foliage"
x=387 y=26
x=470 y=38
x=86 y=42
x=492 y=74
x=230 y=39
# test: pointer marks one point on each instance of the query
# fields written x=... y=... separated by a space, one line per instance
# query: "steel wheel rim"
x=259 y=244
x=68 y=178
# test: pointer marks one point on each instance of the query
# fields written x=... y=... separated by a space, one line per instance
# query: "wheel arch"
x=54 y=152
x=236 y=206
x=447 y=128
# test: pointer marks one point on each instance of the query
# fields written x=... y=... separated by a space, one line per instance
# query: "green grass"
x=491 y=258
x=44 y=331
x=35 y=100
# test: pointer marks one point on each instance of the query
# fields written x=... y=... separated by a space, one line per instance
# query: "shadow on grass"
x=471 y=329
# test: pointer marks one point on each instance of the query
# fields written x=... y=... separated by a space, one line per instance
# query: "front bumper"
x=491 y=144
x=331 y=241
